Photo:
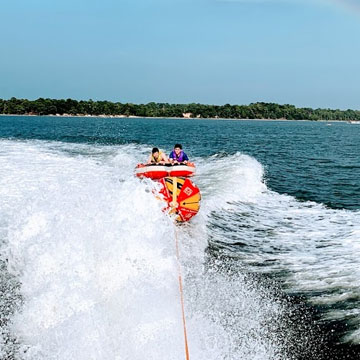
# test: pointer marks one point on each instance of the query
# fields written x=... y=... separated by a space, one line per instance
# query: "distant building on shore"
x=187 y=115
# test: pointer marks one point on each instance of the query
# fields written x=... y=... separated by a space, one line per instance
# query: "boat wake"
x=311 y=249
x=89 y=261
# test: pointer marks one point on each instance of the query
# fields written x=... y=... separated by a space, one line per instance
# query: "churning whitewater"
x=89 y=261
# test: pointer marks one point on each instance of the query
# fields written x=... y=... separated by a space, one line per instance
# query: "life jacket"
x=158 y=159
x=179 y=158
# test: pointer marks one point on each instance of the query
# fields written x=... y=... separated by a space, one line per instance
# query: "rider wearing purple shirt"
x=178 y=155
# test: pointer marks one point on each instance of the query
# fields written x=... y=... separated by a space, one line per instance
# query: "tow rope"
x=174 y=205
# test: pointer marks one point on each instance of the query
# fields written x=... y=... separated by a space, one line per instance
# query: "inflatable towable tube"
x=157 y=171
x=182 y=196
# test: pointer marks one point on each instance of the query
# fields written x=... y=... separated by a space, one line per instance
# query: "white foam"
x=93 y=263
x=95 y=256
x=316 y=247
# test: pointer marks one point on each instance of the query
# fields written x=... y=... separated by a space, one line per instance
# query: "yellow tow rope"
x=174 y=205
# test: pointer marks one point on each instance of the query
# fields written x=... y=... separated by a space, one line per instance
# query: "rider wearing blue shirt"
x=178 y=155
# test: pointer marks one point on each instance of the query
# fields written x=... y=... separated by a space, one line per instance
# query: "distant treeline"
x=258 y=110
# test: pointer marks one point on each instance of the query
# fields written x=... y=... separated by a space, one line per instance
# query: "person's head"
x=155 y=152
x=177 y=148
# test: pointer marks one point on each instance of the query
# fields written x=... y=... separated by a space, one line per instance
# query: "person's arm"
x=149 y=159
x=164 y=158
x=171 y=158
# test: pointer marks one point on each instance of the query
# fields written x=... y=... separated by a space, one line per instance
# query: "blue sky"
x=300 y=52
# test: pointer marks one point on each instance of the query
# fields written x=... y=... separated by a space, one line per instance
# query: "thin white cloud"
x=355 y=4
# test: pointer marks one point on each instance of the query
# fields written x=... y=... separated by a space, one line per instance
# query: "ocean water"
x=271 y=264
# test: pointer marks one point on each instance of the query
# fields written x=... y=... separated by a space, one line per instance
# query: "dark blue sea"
x=88 y=268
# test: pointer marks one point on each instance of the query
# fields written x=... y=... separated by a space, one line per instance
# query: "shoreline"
x=102 y=116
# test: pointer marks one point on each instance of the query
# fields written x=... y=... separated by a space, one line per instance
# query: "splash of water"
x=314 y=251
x=95 y=259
